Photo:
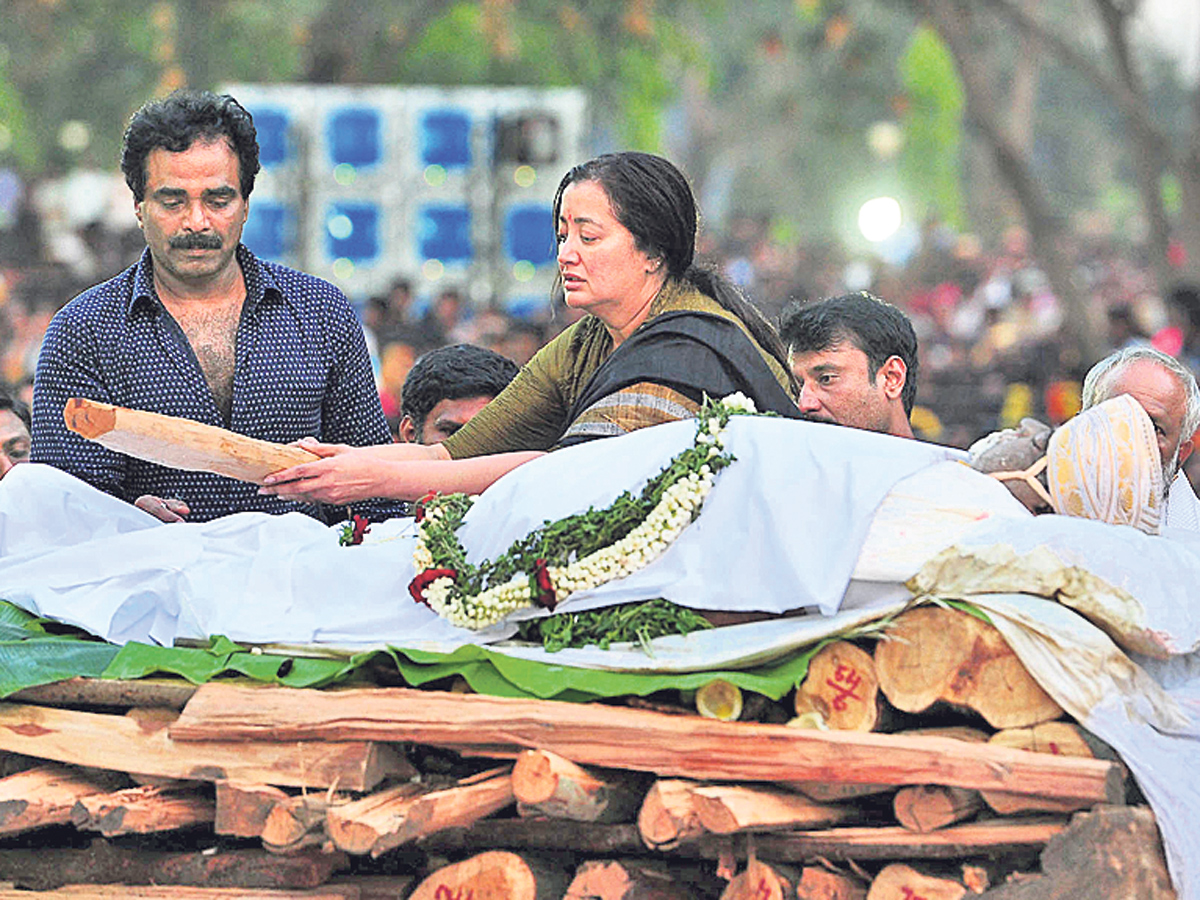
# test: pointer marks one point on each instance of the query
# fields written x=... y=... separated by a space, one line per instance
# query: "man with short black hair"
x=855 y=357
x=14 y=432
x=202 y=329
x=446 y=387
x=1168 y=393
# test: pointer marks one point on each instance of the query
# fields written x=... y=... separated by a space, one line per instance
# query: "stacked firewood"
x=231 y=790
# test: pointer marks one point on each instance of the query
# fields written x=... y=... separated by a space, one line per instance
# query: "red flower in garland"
x=541 y=577
x=419 y=506
x=417 y=586
x=361 y=526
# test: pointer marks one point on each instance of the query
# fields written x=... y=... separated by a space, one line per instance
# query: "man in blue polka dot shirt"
x=201 y=328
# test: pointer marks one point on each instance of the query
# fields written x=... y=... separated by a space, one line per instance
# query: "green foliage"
x=933 y=125
x=626 y=623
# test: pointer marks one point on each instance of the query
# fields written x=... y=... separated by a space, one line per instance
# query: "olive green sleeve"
x=529 y=414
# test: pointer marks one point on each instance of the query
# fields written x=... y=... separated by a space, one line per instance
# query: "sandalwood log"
x=837 y=792
x=394 y=817
x=1058 y=738
x=104 y=862
x=142 y=744
x=842 y=686
x=626 y=880
x=927 y=807
x=180 y=443
x=760 y=881
x=242 y=809
x=142 y=810
x=546 y=784
x=174 y=892
x=495 y=875
x=820 y=884
x=933 y=654
x=668 y=814
x=902 y=882
x=719 y=700
x=298 y=822
x=536 y=835
x=725 y=809
x=42 y=796
x=162 y=693
x=683 y=746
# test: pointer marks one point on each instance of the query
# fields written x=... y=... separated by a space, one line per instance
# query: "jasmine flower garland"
x=575 y=553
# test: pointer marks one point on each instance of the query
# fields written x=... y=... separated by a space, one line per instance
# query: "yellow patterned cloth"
x=1104 y=464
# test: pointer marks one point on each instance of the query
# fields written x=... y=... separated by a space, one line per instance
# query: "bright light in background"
x=433 y=269
x=344 y=174
x=879 y=219
x=74 y=135
x=523 y=270
x=340 y=227
x=885 y=139
x=343 y=269
x=435 y=175
x=525 y=176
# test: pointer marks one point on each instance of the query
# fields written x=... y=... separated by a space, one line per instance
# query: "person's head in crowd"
x=1163 y=386
x=855 y=357
x=190 y=160
x=14 y=432
x=651 y=199
x=1183 y=305
x=446 y=387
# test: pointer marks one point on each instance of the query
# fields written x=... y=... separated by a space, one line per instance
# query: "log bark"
x=628 y=880
x=929 y=807
x=1058 y=738
x=725 y=809
x=142 y=810
x=104 y=862
x=495 y=875
x=180 y=443
x=669 y=814
x=142 y=744
x=933 y=654
x=162 y=693
x=537 y=835
x=598 y=734
x=546 y=784
x=42 y=796
x=842 y=687
x=393 y=817
x=901 y=882
x=242 y=809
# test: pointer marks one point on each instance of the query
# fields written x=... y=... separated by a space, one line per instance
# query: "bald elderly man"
x=1169 y=394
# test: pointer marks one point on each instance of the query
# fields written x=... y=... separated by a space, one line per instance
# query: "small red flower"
x=361 y=526
x=417 y=586
x=419 y=506
x=541 y=577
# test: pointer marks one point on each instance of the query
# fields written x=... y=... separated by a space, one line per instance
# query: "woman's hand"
x=339 y=478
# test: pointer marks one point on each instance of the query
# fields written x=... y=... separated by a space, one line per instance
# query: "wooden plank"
x=679 y=746
x=180 y=443
x=142 y=743
x=142 y=810
x=242 y=809
x=42 y=796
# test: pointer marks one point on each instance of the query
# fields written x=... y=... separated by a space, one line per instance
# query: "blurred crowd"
x=989 y=325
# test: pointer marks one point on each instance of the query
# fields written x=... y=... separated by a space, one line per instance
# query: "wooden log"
x=933 y=654
x=104 y=862
x=837 y=792
x=242 y=809
x=817 y=883
x=1058 y=738
x=495 y=875
x=718 y=699
x=180 y=443
x=669 y=814
x=901 y=882
x=298 y=822
x=174 y=892
x=627 y=880
x=584 y=839
x=42 y=796
x=927 y=807
x=393 y=817
x=842 y=686
x=760 y=881
x=1112 y=851
x=142 y=810
x=683 y=746
x=546 y=784
x=162 y=693
x=142 y=743
x=725 y=809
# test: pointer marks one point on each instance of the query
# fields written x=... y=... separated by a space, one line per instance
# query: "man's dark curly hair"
x=452 y=373
x=176 y=122
x=874 y=326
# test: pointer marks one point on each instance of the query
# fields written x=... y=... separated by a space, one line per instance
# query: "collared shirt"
x=301 y=369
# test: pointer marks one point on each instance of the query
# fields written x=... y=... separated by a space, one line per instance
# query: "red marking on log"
x=29 y=730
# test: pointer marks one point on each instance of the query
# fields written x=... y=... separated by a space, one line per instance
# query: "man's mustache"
x=196 y=240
